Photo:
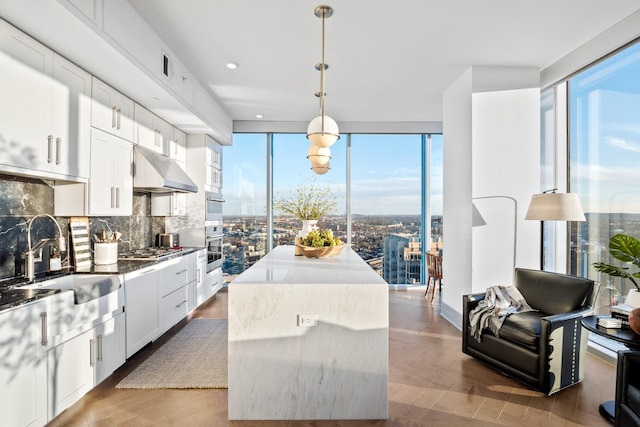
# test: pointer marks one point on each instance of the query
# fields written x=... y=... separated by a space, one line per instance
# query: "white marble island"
x=282 y=369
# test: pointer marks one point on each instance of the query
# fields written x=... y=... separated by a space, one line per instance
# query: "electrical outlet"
x=307 y=320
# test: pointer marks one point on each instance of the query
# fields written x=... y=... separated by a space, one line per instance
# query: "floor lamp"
x=552 y=206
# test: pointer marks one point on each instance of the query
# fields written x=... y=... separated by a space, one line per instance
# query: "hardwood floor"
x=431 y=383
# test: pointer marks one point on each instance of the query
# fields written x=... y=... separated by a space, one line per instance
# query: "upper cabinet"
x=151 y=131
x=44 y=109
x=111 y=111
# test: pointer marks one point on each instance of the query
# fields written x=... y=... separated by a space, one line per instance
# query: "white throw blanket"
x=498 y=303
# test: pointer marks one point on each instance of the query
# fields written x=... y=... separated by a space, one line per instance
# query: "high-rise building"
x=401 y=259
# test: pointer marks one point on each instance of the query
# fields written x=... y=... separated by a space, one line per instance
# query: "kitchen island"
x=308 y=339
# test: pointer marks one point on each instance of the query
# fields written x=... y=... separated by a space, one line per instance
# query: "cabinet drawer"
x=173 y=307
x=173 y=276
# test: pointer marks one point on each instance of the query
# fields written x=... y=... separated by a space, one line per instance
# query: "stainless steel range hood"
x=156 y=173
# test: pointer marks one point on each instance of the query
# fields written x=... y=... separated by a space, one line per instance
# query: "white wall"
x=491 y=152
x=457 y=164
x=506 y=163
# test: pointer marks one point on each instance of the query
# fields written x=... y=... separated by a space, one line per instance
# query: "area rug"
x=196 y=357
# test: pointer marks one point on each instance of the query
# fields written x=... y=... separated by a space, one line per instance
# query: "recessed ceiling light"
x=259 y=116
x=232 y=65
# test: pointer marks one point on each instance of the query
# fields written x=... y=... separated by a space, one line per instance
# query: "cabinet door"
x=201 y=271
x=25 y=103
x=178 y=150
x=23 y=374
x=146 y=129
x=70 y=366
x=123 y=177
x=110 y=347
x=71 y=118
x=111 y=111
x=111 y=181
x=173 y=308
x=142 y=315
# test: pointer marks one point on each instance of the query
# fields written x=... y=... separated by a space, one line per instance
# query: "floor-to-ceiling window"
x=245 y=208
x=378 y=182
x=604 y=152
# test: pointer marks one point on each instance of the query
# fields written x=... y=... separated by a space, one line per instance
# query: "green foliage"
x=317 y=238
x=307 y=202
x=627 y=250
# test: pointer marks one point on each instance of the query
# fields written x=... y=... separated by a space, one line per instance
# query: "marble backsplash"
x=22 y=198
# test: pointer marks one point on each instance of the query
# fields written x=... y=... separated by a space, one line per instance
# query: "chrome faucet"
x=30 y=257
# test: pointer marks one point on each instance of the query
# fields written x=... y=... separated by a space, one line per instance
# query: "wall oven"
x=213 y=209
x=214 y=242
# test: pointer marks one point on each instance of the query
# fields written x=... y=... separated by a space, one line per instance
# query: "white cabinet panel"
x=71 y=118
x=111 y=111
x=142 y=297
x=168 y=204
x=25 y=105
x=173 y=307
x=70 y=368
x=111 y=182
x=23 y=374
x=151 y=131
x=110 y=347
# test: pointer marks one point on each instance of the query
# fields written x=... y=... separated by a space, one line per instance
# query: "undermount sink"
x=86 y=287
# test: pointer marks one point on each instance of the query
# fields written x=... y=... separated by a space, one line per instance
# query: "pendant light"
x=323 y=130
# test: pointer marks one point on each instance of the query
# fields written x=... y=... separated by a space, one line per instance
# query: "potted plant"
x=625 y=249
x=307 y=203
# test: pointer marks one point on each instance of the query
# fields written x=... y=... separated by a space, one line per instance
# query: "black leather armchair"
x=543 y=348
x=628 y=389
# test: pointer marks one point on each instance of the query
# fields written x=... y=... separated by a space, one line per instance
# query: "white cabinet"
x=82 y=362
x=23 y=374
x=168 y=204
x=151 y=131
x=213 y=156
x=111 y=182
x=213 y=282
x=178 y=148
x=111 y=111
x=141 y=298
x=44 y=109
x=71 y=119
x=70 y=372
x=201 y=272
x=109 y=352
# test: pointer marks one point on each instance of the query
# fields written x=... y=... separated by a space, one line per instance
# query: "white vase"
x=307 y=226
x=633 y=298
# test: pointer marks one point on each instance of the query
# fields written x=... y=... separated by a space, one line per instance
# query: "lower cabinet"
x=141 y=305
x=23 y=368
x=173 y=307
x=79 y=364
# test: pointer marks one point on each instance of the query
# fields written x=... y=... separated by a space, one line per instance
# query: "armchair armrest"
x=469 y=302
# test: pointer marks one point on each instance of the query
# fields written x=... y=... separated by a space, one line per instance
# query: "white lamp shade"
x=555 y=207
x=319 y=156
x=321 y=170
x=323 y=137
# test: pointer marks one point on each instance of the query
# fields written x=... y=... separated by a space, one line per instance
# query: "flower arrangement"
x=307 y=202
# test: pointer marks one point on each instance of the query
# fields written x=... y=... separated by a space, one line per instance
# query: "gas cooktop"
x=151 y=253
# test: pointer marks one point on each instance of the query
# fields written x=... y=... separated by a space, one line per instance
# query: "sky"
x=385 y=175
x=605 y=134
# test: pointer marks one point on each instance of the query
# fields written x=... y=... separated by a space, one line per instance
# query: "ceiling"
x=389 y=62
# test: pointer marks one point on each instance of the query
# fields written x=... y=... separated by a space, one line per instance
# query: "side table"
x=624 y=335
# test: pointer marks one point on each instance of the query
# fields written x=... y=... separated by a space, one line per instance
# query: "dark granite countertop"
x=11 y=296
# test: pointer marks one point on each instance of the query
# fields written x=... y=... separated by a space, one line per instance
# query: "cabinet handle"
x=43 y=328
x=92 y=351
x=198 y=275
x=113 y=117
x=118 y=110
x=113 y=196
x=182 y=303
x=99 y=348
x=58 y=145
x=117 y=197
x=181 y=271
x=49 y=147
